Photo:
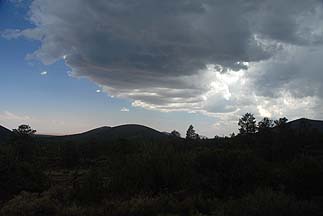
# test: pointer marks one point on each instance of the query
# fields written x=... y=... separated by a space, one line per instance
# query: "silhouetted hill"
x=4 y=134
x=135 y=131
x=106 y=134
x=306 y=124
x=97 y=132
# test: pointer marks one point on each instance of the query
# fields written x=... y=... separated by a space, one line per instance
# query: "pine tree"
x=190 y=134
x=281 y=122
x=247 y=124
x=265 y=124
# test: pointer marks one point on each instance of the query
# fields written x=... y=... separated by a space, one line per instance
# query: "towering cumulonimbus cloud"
x=209 y=56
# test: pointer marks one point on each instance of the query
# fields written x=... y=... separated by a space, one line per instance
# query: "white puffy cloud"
x=124 y=109
x=44 y=73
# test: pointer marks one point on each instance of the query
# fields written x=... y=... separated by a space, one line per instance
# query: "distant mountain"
x=4 y=134
x=106 y=134
x=97 y=132
x=135 y=131
x=306 y=124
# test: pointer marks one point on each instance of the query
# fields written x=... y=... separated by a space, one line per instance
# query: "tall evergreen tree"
x=247 y=124
x=281 y=122
x=24 y=131
x=265 y=124
x=190 y=134
x=23 y=138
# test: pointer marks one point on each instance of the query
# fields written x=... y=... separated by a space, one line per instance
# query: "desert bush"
x=152 y=171
x=70 y=155
x=266 y=202
x=22 y=176
x=91 y=188
x=302 y=177
x=226 y=173
x=165 y=204
x=30 y=204
x=73 y=210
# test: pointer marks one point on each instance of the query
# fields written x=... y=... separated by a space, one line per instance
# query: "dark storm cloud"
x=297 y=70
x=292 y=22
x=161 y=37
x=155 y=51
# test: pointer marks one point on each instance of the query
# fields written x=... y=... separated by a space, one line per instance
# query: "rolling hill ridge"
x=306 y=124
x=4 y=134
x=106 y=134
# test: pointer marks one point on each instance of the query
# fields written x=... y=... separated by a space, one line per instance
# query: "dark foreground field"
x=134 y=170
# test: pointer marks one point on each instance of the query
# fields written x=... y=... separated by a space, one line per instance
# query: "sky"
x=70 y=66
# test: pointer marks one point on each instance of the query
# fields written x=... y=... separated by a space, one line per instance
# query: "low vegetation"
x=269 y=169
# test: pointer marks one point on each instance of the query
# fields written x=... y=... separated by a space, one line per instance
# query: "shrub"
x=30 y=204
x=228 y=173
x=91 y=188
x=154 y=170
x=159 y=205
x=303 y=177
x=266 y=202
x=22 y=176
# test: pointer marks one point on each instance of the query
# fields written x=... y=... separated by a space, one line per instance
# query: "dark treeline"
x=268 y=169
